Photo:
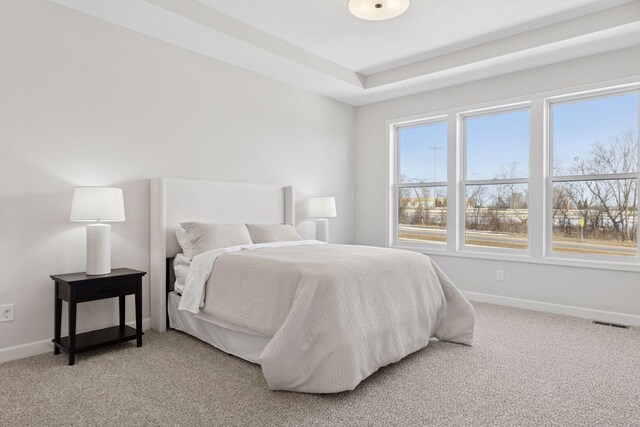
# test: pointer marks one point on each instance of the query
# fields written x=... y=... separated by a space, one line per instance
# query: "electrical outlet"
x=500 y=275
x=6 y=313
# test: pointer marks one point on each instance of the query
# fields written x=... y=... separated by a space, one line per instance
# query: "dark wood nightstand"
x=79 y=287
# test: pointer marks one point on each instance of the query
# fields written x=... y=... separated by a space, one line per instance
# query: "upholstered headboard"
x=180 y=200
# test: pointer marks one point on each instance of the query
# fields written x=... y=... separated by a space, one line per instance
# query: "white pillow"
x=268 y=233
x=184 y=242
x=197 y=237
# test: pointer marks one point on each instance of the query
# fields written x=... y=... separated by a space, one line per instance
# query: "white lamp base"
x=322 y=230
x=98 y=249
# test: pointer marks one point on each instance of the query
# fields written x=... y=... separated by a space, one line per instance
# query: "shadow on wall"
x=132 y=236
x=306 y=227
x=35 y=228
x=38 y=239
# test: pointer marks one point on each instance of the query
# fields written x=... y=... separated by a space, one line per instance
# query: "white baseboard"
x=44 y=346
x=25 y=350
x=586 y=313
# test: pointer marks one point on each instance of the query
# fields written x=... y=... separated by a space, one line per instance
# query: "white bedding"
x=337 y=313
x=202 y=267
x=226 y=336
x=181 y=266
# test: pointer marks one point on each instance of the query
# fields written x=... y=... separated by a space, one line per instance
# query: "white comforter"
x=337 y=313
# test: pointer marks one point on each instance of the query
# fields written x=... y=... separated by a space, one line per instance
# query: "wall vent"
x=614 y=325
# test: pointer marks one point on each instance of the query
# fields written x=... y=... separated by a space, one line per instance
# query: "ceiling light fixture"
x=378 y=10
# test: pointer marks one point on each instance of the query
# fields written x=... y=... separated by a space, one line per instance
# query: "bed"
x=316 y=317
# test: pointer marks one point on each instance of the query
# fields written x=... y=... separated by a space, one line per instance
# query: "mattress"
x=233 y=339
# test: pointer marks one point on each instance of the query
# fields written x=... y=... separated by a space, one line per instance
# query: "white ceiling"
x=318 y=45
x=428 y=28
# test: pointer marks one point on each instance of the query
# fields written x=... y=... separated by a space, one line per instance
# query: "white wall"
x=586 y=289
x=83 y=102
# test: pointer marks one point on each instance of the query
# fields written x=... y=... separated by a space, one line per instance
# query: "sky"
x=577 y=125
x=497 y=142
x=423 y=152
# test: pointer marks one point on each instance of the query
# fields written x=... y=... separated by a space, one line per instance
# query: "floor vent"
x=614 y=325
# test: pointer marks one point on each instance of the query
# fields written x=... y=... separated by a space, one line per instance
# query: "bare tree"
x=422 y=196
x=608 y=207
x=615 y=199
x=516 y=199
x=476 y=201
x=562 y=206
x=404 y=200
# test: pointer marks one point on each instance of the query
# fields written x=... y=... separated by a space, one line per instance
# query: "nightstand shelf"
x=77 y=288
x=99 y=338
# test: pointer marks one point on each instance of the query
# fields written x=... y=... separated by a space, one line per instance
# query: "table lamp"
x=322 y=208
x=99 y=205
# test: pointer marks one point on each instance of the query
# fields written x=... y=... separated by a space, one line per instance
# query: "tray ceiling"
x=320 y=46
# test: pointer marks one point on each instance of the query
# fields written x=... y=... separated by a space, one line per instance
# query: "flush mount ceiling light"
x=378 y=10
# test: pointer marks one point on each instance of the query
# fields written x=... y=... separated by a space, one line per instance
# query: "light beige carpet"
x=526 y=368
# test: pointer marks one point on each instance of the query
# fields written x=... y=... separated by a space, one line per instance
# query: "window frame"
x=551 y=178
x=464 y=181
x=397 y=185
x=539 y=202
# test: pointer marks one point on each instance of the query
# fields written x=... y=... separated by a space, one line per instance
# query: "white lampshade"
x=321 y=207
x=378 y=10
x=97 y=204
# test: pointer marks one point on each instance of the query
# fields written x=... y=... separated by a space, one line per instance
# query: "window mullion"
x=422 y=184
x=497 y=181
x=460 y=176
x=452 y=179
x=537 y=180
x=593 y=177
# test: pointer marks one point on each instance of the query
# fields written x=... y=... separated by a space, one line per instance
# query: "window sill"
x=555 y=261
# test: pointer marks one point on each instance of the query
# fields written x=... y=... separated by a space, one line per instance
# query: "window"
x=594 y=179
x=552 y=178
x=496 y=177
x=421 y=182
